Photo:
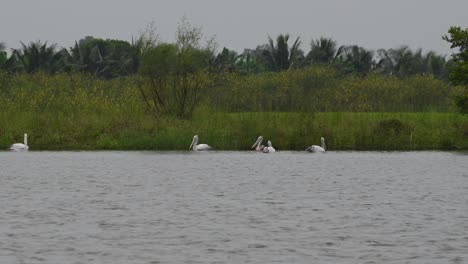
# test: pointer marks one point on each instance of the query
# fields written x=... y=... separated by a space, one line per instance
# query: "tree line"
x=110 y=58
x=172 y=77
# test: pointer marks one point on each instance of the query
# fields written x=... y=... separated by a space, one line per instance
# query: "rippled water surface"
x=233 y=207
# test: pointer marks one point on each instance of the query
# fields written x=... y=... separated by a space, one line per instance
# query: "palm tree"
x=395 y=61
x=280 y=57
x=403 y=62
x=65 y=62
x=36 y=56
x=106 y=58
x=323 y=51
x=385 y=63
x=355 y=59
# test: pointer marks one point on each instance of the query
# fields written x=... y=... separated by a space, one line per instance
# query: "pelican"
x=21 y=146
x=269 y=149
x=315 y=148
x=198 y=147
x=259 y=147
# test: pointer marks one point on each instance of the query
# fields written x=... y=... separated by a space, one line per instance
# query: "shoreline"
x=343 y=131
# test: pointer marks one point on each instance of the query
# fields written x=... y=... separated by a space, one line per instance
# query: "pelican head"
x=194 y=142
x=258 y=142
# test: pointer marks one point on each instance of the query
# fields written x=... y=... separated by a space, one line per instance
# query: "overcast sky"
x=238 y=24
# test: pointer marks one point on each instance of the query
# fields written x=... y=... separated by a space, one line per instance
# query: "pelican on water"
x=21 y=146
x=258 y=144
x=269 y=149
x=315 y=148
x=198 y=147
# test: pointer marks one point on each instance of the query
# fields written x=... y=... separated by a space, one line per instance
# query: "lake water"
x=233 y=207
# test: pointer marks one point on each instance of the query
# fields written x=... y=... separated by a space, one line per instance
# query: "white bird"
x=21 y=146
x=315 y=148
x=198 y=147
x=258 y=144
x=269 y=149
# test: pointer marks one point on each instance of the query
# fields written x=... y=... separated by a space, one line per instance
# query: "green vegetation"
x=148 y=94
x=174 y=74
x=79 y=111
x=109 y=58
x=459 y=74
x=323 y=89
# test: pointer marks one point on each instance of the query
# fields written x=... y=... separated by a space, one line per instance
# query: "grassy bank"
x=65 y=112
x=238 y=131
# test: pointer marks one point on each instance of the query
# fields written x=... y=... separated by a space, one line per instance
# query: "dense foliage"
x=459 y=75
x=322 y=88
x=80 y=111
x=108 y=58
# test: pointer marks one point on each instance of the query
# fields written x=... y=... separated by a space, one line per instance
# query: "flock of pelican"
x=258 y=146
x=202 y=147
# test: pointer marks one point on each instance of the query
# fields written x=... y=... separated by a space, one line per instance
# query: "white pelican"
x=21 y=146
x=269 y=149
x=198 y=147
x=315 y=148
x=258 y=144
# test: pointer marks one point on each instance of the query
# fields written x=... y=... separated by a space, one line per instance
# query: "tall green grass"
x=321 y=89
x=238 y=131
x=79 y=112
x=343 y=131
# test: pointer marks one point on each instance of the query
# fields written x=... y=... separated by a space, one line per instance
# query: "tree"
x=355 y=59
x=249 y=63
x=34 y=57
x=400 y=61
x=437 y=65
x=226 y=60
x=176 y=73
x=404 y=62
x=458 y=38
x=253 y=61
x=147 y=39
x=323 y=51
x=459 y=72
x=104 y=58
x=280 y=57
